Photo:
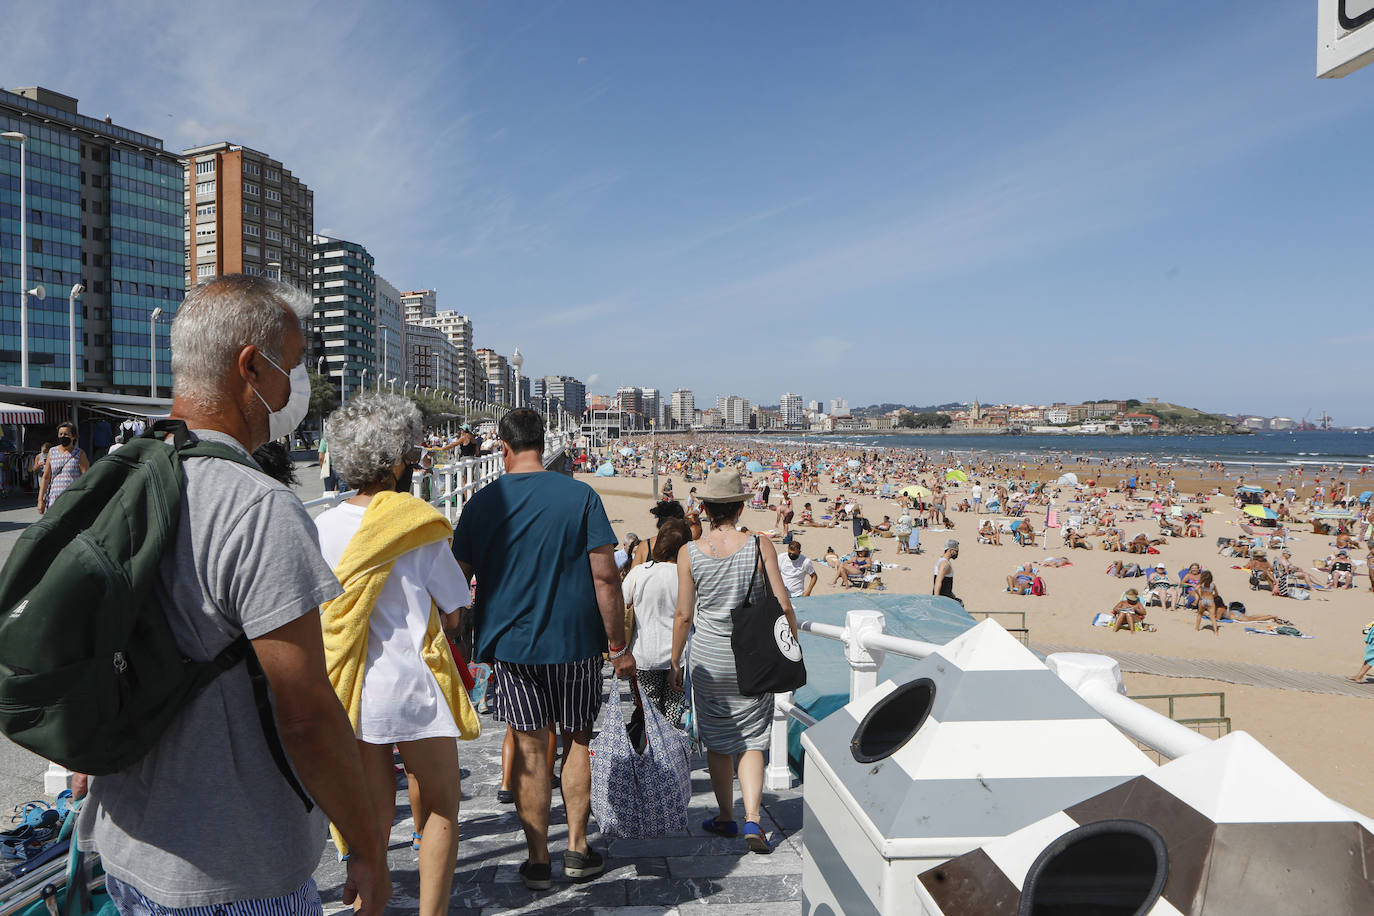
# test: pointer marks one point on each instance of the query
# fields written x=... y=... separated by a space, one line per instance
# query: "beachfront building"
x=684 y=407
x=839 y=407
x=105 y=208
x=734 y=411
x=431 y=360
x=391 y=336
x=652 y=402
x=1057 y=416
x=629 y=400
x=560 y=392
x=420 y=304
x=246 y=213
x=469 y=374
x=345 y=313
x=790 y=408
x=500 y=377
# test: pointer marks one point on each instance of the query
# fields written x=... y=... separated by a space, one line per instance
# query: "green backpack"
x=90 y=673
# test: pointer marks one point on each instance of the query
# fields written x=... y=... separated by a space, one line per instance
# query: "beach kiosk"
x=1228 y=830
x=970 y=744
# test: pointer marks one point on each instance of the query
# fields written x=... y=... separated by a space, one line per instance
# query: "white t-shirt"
x=401 y=698
x=795 y=572
x=977 y=491
x=652 y=588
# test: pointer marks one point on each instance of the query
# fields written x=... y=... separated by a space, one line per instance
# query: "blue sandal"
x=720 y=828
x=753 y=835
x=415 y=841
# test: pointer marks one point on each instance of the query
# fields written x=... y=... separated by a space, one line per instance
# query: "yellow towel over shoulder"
x=393 y=525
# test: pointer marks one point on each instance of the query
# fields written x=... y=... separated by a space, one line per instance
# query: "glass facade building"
x=104 y=209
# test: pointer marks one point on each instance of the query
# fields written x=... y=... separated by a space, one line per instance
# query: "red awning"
x=18 y=413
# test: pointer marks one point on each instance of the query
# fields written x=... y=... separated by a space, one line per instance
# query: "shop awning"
x=18 y=413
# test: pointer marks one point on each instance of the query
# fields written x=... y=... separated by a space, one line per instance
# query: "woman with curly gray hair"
x=385 y=648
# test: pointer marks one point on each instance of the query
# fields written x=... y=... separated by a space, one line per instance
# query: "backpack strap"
x=241 y=650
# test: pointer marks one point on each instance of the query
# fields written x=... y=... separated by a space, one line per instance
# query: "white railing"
x=452 y=485
x=1096 y=678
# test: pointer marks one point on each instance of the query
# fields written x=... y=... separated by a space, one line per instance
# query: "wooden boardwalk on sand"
x=1229 y=672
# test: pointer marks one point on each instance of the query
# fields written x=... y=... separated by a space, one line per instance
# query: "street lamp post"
x=653 y=450
x=517 y=360
x=152 y=350
x=23 y=256
x=392 y=382
x=77 y=290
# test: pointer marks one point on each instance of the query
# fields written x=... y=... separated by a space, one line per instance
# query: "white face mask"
x=284 y=422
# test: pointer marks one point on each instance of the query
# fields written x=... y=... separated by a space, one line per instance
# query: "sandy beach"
x=1307 y=730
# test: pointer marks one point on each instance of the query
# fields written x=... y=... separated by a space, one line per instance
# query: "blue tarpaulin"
x=929 y=618
x=606 y=470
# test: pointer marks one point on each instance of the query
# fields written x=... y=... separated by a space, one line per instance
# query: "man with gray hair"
x=207 y=821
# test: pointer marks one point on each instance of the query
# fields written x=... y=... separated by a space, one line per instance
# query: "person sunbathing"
x=1019 y=582
x=1112 y=541
x=1138 y=544
x=1025 y=533
x=1208 y=603
x=1128 y=612
x=1173 y=526
x=1261 y=572
x=858 y=566
x=1161 y=586
x=1344 y=540
x=1074 y=539
x=988 y=532
x=1341 y=572
x=1194 y=527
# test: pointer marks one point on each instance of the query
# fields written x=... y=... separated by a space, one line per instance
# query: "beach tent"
x=627 y=451
x=1069 y=480
x=968 y=745
x=1260 y=512
x=956 y=474
x=753 y=467
x=606 y=470
x=852 y=463
x=1225 y=829
x=915 y=489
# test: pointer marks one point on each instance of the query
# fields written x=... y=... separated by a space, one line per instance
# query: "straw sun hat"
x=723 y=486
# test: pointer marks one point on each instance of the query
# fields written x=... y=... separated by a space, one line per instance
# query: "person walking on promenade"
x=385 y=647
x=548 y=605
x=206 y=822
x=650 y=593
x=64 y=463
x=713 y=582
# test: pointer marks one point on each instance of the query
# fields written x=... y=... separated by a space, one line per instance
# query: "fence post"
x=863 y=663
x=778 y=775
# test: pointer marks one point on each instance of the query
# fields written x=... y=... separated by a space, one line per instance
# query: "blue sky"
x=909 y=202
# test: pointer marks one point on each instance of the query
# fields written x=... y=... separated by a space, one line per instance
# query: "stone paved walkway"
x=675 y=874
x=1230 y=672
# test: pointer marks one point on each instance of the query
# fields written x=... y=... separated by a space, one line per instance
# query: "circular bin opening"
x=891 y=723
x=1108 y=868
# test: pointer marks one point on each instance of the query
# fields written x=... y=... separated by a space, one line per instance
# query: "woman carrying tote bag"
x=719 y=577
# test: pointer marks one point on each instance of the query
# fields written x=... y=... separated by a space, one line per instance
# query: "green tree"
x=907 y=421
x=323 y=397
x=932 y=419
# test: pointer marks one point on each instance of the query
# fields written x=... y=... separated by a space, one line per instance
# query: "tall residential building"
x=346 y=310
x=630 y=400
x=562 y=391
x=431 y=360
x=839 y=407
x=684 y=407
x=391 y=334
x=105 y=209
x=734 y=410
x=420 y=304
x=499 y=376
x=790 y=409
x=469 y=378
x=652 y=402
x=246 y=213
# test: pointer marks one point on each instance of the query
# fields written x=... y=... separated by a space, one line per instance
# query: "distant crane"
x=1324 y=420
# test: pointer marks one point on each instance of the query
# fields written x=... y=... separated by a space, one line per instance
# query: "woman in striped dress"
x=64 y=464
x=713 y=582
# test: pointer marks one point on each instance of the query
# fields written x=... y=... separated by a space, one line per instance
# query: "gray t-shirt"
x=206 y=817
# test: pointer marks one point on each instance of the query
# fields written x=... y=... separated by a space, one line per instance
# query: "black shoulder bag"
x=768 y=658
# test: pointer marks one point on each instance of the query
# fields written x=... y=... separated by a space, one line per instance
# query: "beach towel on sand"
x=394 y=524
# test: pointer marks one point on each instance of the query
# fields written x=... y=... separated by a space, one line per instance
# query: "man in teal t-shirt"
x=548 y=604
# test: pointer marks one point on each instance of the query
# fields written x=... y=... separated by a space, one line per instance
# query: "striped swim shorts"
x=530 y=697
x=304 y=901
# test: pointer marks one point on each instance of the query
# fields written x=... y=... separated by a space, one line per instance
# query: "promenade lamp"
x=392 y=381
x=23 y=256
x=362 y=380
x=152 y=350
x=517 y=360
x=75 y=294
x=319 y=366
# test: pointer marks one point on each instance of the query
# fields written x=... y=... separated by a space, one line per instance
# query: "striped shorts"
x=530 y=697
x=304 y=901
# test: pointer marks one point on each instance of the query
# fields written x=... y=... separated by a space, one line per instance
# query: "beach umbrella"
x=795 y=466
x=915 y=489
x=1249 y=489
x=1338 y=514
x=1260 y=512
x=753 y=467
x=606 y=470
x=1070 y=479
x=1227 y=828
x=956 y=474
x=852 y=463
x=627 y=451
x=1366 y=496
